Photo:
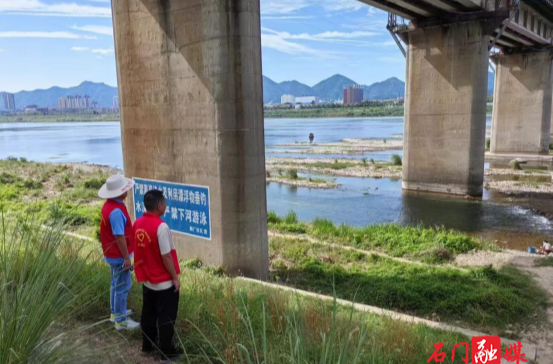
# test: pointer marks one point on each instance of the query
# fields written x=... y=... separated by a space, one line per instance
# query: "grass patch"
x=220 y=320
x=545 y=262
x=482 y=298
x=430 y=245
x=396 y=160
x=288 y=223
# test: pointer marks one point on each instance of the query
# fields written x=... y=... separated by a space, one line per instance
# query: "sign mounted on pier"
x=187 y=206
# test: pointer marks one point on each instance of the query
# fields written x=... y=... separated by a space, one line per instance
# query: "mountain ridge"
x=329 y=89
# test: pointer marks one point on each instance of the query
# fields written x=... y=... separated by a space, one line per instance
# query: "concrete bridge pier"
x=191 y=100
x=445 y=110
x=522 y=103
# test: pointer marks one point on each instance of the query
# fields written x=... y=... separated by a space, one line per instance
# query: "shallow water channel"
x=357 y=201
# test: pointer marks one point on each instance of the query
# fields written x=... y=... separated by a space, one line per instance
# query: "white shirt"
x=165 y=246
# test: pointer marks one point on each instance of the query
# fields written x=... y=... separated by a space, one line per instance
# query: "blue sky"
x=64 y=42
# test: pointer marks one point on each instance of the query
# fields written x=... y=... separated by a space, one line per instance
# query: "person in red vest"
x=117 y=238
x=157 y=266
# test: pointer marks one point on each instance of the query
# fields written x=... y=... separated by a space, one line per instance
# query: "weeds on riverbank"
x=50 y=286
x=45 y=282
x=431 y=245
x=28 y=188
x=482 y=298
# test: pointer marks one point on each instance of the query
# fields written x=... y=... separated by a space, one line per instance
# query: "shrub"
x=488 y=143
x=364 y=161
x=268 y=174
x=94 y=183
x=396 y=160
x=33 y=185
x=515 y=165
x=46 y=281
x=8 y=178
x=293 y=173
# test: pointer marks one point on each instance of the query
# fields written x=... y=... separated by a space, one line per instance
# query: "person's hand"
x=127 y=264
x=176 y=283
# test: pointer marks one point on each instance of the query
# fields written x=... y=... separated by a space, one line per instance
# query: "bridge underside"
x=448 y=44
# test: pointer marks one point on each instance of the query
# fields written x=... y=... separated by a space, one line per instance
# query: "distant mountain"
x=100 y=92
x=388 y=89
x=331 y=89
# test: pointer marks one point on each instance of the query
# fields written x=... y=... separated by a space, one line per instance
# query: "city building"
x=307 y=100
x=116 y=102
x=61 y=103
x=287 y=99
x=76 y=102
x=31 y=109
x=353 y=94
x=9 y=101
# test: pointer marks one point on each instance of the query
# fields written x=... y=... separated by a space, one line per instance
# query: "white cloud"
x=280 y=44
x=62 y=35
x=103 y=50
x=329 y=36
x=291 y=6
x=80 y=49
x=37 y=7
x=98 y=29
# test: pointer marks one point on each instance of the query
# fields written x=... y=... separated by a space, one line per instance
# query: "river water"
x=358 y=201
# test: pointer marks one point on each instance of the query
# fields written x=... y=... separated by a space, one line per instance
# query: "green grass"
x=220 y=320
x=545 y=262
x=45 y=283
x=483 y=298
x=334 y=112
x=55 y=193
x=57 y=118
x=396 y=160
x=431 y=245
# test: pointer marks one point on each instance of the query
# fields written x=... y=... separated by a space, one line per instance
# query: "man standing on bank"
x=156 y=265
x=117 y=237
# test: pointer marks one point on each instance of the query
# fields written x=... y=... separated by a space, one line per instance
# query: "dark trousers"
x=159 y=311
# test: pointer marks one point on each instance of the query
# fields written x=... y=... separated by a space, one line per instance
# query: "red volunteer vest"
x=148 y=264
x=109 y=243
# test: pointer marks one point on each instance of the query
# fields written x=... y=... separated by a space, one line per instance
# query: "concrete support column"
x=522 y=104
x=445 y=110
x=190 y=92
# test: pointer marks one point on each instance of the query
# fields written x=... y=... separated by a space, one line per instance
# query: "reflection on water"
x=358 y=201
x=490 y=217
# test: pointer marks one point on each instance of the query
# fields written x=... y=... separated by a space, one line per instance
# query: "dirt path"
x=541 y=335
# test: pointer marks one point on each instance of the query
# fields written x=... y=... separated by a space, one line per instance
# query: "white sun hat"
x=115 y=186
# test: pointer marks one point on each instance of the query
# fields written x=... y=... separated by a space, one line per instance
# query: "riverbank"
x=406 y=269
x=321 y=112
x=58 y=118
x=336 y=167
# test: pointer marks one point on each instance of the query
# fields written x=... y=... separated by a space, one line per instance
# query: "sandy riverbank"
x=346 y=146
x=335 y=167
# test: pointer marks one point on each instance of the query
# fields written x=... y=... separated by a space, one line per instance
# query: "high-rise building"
x=287 y=99
x=116 y=102
x=87 y=102
x=353 y=94
x=61 y=103
x=9 y=101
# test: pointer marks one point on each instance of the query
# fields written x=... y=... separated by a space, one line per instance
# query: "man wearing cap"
x=117 y=243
